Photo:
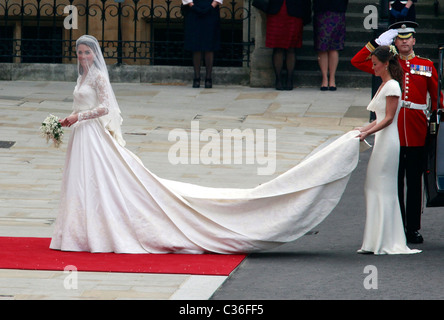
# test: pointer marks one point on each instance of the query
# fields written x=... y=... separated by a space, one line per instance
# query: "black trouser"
x=411 y=167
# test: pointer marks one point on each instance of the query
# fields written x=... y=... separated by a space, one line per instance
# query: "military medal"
x=421 y=70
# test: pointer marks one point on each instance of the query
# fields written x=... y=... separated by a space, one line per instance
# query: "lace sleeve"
x=94 y=113
x=103 y=108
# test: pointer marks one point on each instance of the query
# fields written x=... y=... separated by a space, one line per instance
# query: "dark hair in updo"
x=384 y=54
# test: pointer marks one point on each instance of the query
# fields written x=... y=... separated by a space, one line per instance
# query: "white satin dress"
x=111 y=203
x=384 y=230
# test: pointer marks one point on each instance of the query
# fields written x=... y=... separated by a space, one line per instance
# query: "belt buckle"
x=407 y=104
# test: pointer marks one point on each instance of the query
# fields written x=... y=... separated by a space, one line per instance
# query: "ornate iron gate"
x=129 y=31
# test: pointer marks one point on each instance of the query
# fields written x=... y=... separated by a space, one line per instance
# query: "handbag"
x=261 y=5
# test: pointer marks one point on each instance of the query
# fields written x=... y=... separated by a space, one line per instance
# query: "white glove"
x=387 y=37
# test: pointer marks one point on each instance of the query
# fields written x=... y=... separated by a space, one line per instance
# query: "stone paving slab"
x=31 y=170
x=60 y=285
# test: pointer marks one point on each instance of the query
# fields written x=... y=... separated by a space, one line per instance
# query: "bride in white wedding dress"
x=111 y=203
x=384 y=230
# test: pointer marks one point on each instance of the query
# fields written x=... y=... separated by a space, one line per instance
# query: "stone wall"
x=261 y=74
x=122 y=73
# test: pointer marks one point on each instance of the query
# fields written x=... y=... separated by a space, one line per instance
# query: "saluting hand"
x=387 y=37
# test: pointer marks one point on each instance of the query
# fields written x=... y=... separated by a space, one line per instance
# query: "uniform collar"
x=410 y=56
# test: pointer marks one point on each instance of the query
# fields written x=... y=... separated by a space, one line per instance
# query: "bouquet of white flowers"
x=52 y=129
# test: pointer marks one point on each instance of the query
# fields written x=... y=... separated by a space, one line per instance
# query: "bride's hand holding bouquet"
x=70 y=120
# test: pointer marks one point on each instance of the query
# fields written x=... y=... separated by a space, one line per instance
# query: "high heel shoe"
x=196 y=83
x=279 y=85
x=289 y=86
x=208 y=83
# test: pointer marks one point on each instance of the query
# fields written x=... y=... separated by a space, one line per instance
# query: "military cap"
x=405 y=28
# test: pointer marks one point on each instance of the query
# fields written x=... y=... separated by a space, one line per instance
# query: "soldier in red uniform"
x=420 y=78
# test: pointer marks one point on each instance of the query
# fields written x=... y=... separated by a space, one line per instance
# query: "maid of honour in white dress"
x=384 y=230
x=111 y=203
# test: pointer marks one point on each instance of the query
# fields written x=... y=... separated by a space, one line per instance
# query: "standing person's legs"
x=333 y=60
x=323 y=65
x=209 y=60
x=197 y=58
x=290 y=61
x=278 y=63
x=413 y=169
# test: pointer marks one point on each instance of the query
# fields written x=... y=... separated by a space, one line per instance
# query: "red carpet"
x=34 y=254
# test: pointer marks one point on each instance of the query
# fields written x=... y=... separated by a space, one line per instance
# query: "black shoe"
x=196 y=83
x=279 y=85
x=324 y=88
x=332 y=88
x=289 y=86
x=208 y=83
x=414 y=237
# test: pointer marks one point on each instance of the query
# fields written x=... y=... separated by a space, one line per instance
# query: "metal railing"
x=129 y=31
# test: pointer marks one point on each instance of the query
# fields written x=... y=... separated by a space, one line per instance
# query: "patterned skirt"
x=329 y=31
x=283 y=31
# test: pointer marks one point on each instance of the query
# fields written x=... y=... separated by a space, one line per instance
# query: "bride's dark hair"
x=384 y=54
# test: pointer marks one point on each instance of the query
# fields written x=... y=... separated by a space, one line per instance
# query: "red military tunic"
x=420 y=77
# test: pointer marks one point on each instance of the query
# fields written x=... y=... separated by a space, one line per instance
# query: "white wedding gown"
x=384 y=230
x=111 y=203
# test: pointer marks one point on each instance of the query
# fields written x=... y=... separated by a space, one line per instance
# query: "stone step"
x=424 y=21
x=422 y=7
x=430 y=34
x=427 y=37
x=346 y=79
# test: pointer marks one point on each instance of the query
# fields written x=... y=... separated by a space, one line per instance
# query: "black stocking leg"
x=291 y=61
x=209 y=60
x=278 y=62
x=197 y=58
